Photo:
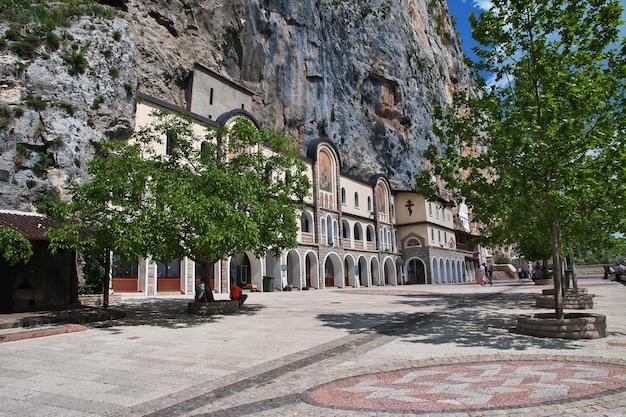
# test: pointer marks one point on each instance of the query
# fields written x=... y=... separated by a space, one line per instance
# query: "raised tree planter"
x=573 y=326
x=95 y=300
x=570 y=301
x=207 y=308
x=569 y=291
x=548 y=281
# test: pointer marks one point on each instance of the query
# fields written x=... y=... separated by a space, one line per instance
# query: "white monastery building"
x=354 y=232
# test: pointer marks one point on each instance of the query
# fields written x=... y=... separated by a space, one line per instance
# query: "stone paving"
x=384 y=351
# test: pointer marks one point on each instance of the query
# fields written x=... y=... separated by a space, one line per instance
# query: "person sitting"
x=236 y=293
x=620 y=271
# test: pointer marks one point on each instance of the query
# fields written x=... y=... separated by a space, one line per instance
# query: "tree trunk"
x=105 y=281
x=573 y=266
x=556 y=269
x=207 y=280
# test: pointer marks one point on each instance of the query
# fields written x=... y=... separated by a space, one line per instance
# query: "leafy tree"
x=539 y=154
x=241 y=191
x=15 y=248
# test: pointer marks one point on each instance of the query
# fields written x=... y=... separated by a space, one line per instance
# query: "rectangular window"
x=169 y=269
x=211 y=97
x=124 y=269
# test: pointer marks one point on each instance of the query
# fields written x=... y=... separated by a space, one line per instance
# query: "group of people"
x=614 y=273
x=485 y=274
x=236 y=294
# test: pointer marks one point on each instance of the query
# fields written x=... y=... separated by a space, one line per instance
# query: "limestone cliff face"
x=364 y=74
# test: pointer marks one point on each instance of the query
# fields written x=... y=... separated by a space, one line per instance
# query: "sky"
x=463 y=8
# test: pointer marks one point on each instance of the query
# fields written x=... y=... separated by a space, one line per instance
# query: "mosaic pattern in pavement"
x=464 y=386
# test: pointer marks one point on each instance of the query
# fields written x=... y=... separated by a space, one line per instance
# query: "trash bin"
x=268 y=283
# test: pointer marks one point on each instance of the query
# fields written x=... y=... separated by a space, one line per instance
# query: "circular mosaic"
x=466 y=386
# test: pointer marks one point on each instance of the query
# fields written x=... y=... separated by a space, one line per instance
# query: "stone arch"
x=333 y=270
x=294 y=275
x=389 y=271
x=363 y=272
x=375 y=271
x=311 y=271
x=415 y=271
x=244 y=269
x=349 y=272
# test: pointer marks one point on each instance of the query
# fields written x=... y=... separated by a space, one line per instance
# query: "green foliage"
x=47 y=201
x=22 y=150
x=5 y=115
x=204 y=204
x=23 y=49
x=44 y=162
x=49 y=15
x=530 y=153
x=13 y=34
x=94 y=276
x=53 y=40
x=75 y=60
x=68 y=107
x=36 y=102
x=500 y=258
x=97 y=102
x=14 y=247
x=117 y=35
x=114 y=72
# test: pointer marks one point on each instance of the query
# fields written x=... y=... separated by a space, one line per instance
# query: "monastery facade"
x=353 y=233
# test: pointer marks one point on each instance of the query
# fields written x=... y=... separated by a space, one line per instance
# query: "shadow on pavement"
x=467 y=320
x=167 y=313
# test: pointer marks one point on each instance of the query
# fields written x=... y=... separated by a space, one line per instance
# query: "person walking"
x=482 y=275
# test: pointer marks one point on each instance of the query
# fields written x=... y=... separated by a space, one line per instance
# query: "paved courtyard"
x=384 y=351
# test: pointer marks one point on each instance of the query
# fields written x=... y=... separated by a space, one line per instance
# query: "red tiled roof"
x=31 y=225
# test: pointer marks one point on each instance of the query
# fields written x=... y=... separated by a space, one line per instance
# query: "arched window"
x=305 y=225
x=369 y=203
x=343 y=195
x=368 y=234
x=329 y=230
x=345 y=230
x=356 y=199
x=357 y=232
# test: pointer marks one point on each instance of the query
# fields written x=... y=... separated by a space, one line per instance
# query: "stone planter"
x=95 y=300
x=569 y=291
x=548 y=281
x=570 y=301
x=207 y=308
x=573 y=326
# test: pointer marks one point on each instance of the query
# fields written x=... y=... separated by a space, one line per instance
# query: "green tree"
x=15 y=248
x=242 y=190
x=539 y=154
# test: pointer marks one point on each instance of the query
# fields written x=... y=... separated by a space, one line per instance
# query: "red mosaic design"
x=483 y=385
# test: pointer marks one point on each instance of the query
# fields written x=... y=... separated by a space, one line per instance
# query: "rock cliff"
x=366 y=74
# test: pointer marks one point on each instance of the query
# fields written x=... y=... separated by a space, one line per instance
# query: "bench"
x=252 y=288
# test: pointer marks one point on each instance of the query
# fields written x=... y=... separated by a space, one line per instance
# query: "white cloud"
x=483 y=4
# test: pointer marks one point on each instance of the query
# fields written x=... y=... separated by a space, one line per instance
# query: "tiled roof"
x=31 y=225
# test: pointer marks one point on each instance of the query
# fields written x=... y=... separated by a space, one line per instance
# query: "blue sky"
x=463 y=8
